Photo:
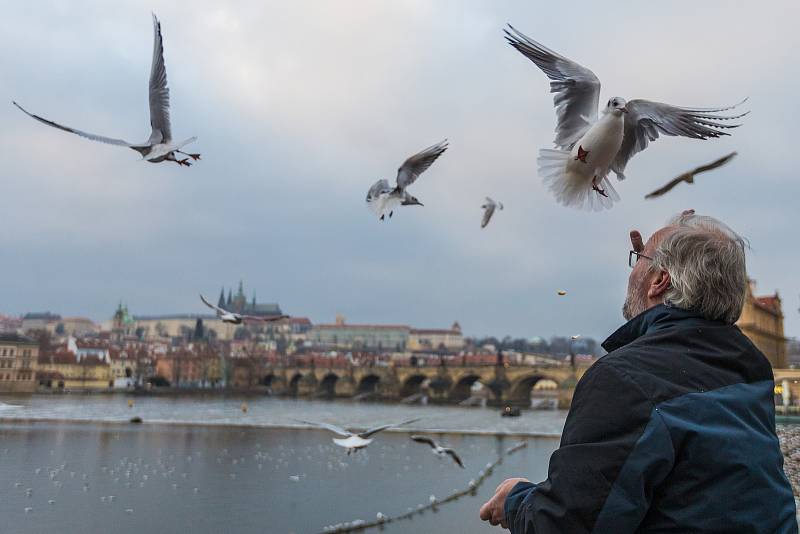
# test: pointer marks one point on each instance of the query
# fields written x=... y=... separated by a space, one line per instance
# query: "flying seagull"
x=237 y=318
x=383 y=199
x=688 y=177
x=588 y=147
x=352 y=441
x=438 y=449
x=160 y=146
x=488 y=210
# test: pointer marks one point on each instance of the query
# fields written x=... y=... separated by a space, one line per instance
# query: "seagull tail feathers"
x=570 y=189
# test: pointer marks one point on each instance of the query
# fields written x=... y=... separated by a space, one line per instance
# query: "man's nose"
x=636 y=241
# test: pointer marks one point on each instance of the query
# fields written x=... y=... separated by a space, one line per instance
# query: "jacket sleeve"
x=614 y=451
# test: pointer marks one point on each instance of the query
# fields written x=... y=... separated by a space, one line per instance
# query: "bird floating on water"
x=561 y=292
x=588 y=147
x=688 y=177
x=383 y=199
x=489 y=208
x=438 y=449
x=237 y=318
x=354 y=441
x=160 y=146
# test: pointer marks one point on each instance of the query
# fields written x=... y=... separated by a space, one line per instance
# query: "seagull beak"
x=623 y=109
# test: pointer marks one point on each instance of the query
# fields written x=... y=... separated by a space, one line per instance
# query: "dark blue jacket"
x=672 y=431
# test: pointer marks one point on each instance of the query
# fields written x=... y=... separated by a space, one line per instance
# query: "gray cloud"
x=300 y=106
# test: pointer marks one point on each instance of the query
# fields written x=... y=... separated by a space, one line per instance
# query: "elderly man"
x=674 y=429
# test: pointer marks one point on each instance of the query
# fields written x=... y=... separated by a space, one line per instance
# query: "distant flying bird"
x=588 y=147
x=688 y=177
x=488 y=210
x=438 y=449
x=237 y=318
x=159 y=147
x=352 y=441
x=383 y=199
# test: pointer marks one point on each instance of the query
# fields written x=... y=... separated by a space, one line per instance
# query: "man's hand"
x=493 y=510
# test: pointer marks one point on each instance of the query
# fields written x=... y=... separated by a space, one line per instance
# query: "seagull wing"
x=576 y=88
x=87 y=135
x=408 y=173
x=327 y=426
x=668 y=187
x=371 y=431
x=219 y=310
x=646 y=120
x=378 y=188
x=488 y=211
x=159 y=92
x=455 y=457
x=377 y=198
x=689 y=176
x=424 y=439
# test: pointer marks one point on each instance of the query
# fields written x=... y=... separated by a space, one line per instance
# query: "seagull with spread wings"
x=489 y=208
x=237 y=318
x=688 y=177
x=383 y=199
x=354 y=441
x=589 y=146
x=160 y=146
x=438 y=449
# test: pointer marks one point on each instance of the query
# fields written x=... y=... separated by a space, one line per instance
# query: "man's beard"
x=635 y=304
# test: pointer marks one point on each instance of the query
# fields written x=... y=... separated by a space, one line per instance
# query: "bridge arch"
x=462 y=388
x=327 y=386
x=369 y=383
x=520 y=391
x=412 y=385
x=267 y=379
x=293 y=383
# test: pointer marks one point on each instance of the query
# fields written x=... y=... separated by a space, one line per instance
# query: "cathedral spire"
x=221 y=301
x=229 y=298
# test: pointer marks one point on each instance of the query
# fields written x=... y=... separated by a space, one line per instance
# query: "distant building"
x=762 y=322
x=436 y=340
x=83 y=349
x=238 y=303
x=190 y=368
x=38 y=320
x=10 y=325
x=371 y=337
x=73 y=326
x=183 y=324
x=18 y=356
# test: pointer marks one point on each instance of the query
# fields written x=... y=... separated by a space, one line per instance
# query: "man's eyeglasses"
x=634 y=256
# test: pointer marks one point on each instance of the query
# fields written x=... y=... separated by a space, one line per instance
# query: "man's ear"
x=658 y=285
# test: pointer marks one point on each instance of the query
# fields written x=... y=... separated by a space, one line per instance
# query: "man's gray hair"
x=705 y=260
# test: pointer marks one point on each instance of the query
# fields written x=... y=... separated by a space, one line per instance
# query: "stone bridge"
x=506 y=384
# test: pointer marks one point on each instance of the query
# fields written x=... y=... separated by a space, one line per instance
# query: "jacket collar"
x=656 y=318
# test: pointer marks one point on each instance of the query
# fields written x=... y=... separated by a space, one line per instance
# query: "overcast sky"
x=300 y=106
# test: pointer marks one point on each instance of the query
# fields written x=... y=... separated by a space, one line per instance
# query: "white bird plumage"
x=160 y=146
x=353 y=441
x=588 y=147
x=489 y=208
x=237 y=318
x=383 y=198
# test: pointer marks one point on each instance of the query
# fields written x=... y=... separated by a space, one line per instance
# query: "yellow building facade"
x=18 y=356
x=762 y=322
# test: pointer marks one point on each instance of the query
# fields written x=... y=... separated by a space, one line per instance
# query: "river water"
x=204 y=465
